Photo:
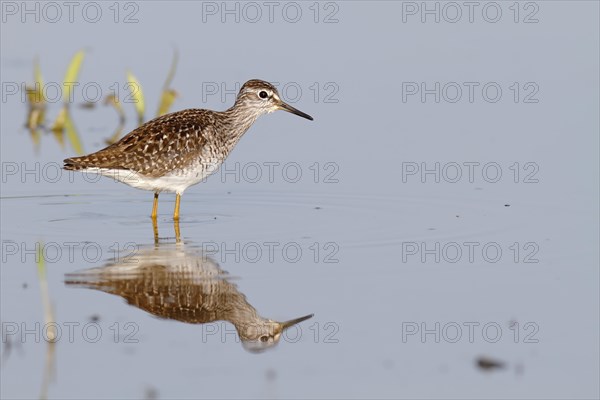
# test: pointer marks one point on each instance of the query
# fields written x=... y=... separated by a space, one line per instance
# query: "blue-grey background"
x=366 y=52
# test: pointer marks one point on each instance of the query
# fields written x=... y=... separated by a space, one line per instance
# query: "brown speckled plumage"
x=159 y=146
x=192 y=294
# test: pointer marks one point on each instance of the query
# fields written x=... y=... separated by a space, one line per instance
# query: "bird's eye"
x=263 y=94
x=264 y=338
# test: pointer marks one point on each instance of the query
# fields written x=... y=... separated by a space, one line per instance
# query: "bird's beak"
x=288 y=108
x=292 y=322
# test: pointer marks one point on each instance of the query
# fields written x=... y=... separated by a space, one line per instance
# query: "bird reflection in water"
x=172 y=282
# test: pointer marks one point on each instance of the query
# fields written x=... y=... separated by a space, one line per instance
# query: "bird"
x=174 y=283
x=177 y=150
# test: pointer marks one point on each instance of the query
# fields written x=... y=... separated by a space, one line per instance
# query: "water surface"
x=415 y=279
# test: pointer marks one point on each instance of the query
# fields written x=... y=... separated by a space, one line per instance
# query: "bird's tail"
x=75 y=163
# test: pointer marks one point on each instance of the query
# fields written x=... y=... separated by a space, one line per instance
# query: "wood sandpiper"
x=175 y=151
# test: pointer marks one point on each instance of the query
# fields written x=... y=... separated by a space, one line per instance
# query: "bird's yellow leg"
x=155 y=206
x=177 y=232
x=176 y=213
x=155 y=229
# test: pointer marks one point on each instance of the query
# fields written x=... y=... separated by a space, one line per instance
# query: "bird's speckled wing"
x=161 y=145
x=188 y=296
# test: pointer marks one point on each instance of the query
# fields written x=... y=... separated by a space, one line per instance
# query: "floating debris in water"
x=88 y=105
x=488 y=364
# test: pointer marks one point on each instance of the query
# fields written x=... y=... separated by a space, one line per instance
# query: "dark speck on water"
x=271 y=374
x=151 y=393
x=519 y=369
x=488 y=364
x=88 y=105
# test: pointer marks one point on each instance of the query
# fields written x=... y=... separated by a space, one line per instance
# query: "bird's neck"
x=238 y=119
x=240 y=314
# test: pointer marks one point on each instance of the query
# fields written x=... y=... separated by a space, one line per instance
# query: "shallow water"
x=415 y=280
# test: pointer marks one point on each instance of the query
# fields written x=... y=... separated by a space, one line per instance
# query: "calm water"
x=429 y=238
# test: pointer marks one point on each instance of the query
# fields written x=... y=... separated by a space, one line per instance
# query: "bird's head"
x=264 y=98
x=264 y=334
